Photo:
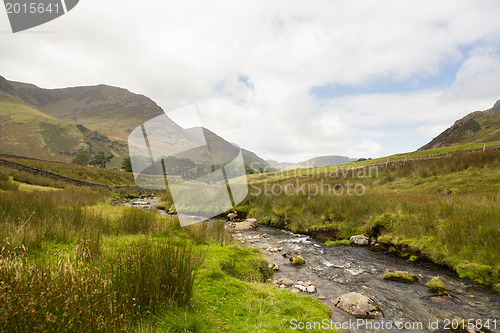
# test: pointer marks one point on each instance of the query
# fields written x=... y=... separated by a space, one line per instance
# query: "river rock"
x=300 y=287
x=358 y=305
x=274 y=249
x=311 y=289
x=360 y=240
x=140 y=203
x=245 y=225
x=274 y=266
x=322 y=297
x=444 y=191
x=285 y=281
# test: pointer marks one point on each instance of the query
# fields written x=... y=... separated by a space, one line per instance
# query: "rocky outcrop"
x=358 y=306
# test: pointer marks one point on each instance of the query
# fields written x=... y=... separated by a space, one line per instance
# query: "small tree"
x=127 y=164
x=81 y=158
x=101 y=160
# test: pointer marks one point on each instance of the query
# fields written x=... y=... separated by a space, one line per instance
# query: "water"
x=338 y=270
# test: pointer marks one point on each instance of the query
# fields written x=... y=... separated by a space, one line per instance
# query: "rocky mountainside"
x=478 y=126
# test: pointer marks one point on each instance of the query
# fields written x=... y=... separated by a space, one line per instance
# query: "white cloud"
x=366 y=148
x=183 y=52
x=431 y=131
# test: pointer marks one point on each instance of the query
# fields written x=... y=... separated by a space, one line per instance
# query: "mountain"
x=56 y=124
x=112 y=111
x=223 y=149
x=322 y=161
x=279 y=165
x=26 y=131
x=476 y=127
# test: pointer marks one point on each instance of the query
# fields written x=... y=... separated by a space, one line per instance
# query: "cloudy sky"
x=287 y=79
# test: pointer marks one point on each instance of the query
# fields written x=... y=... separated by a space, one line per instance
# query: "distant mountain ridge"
x=476 y=127
x=321 y=161
x=279 y=165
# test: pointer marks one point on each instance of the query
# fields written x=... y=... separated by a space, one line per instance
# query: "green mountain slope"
x=26 y=131
x=479 y=126
x=112 y=111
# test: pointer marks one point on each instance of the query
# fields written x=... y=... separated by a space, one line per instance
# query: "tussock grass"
x=34 y=297
x=210 y=232
x=29 y=218
x=96 y=295
x=149 y=275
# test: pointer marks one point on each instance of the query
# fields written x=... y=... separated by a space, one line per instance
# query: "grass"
x=224 y=303
x=401 y=207
x=28 y=132
x=338 y=242
x=436 y=285
x=71 y=262
x=424 y=155
x=400 y=277
x=297 y=261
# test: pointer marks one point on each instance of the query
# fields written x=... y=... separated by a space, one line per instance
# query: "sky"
x=287 y=79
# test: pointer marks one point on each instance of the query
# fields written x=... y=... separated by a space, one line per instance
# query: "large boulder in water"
x=358 y=306
x=360 y=240
x=248 y=224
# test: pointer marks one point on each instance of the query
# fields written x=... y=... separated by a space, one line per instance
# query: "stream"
x=337 y=270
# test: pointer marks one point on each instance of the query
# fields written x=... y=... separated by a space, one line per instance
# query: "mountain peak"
x=477 y=126
x=6 y=87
